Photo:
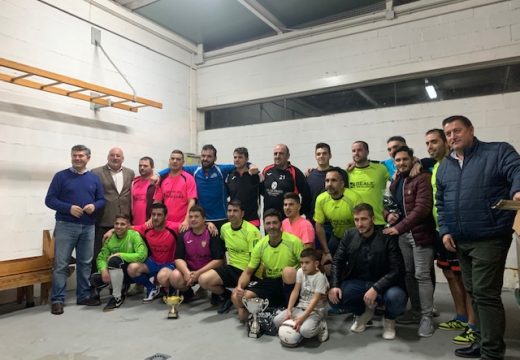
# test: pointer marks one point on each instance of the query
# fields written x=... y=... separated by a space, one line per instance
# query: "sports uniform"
x=175 y=192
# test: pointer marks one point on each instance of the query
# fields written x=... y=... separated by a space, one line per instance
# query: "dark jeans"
x=353 y=291
x=482 y=264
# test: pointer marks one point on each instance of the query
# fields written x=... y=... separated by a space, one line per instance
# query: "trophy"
x=391 y=206
x=255 y=306
x=173 y=301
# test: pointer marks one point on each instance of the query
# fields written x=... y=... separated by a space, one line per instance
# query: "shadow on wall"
x=61 y=117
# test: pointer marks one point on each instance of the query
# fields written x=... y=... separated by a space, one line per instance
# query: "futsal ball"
x=288 y=335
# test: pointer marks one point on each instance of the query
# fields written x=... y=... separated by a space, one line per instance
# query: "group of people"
x=356 y=239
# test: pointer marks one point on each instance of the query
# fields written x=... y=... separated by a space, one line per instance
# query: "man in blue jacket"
x=474 y=176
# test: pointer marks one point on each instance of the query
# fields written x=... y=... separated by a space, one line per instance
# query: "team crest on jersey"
x=214 y=175
x=203 y=243
x=274 y=185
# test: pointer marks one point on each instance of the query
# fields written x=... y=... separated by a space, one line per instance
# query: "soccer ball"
x=288 y=335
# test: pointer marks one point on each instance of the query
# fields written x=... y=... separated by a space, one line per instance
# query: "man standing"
x=125 y=246
x=367 y=271
x=282 y=177
x=464 y=320
x=334 y=206
x=278 y=255
x=117 y=184
x=316 y=177
x=143 y=190
x=392 y=144
x=243 y=186
x=368 y=179
x=177 y=190
x=240 y=237
x=473 y=177
x=416 y=230
x=76 y=194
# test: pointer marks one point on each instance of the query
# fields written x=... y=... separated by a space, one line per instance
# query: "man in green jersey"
x=240 y=237
x=277 y=255
x=124 y=246
x=368 y=179
x=335 y=206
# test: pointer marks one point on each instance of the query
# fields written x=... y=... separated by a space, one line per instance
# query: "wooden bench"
x=22 y=274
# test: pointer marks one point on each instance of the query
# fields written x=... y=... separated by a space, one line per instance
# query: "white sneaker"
x=360 y=322
x=323 y=335
x=388 y=329
x=152 y=295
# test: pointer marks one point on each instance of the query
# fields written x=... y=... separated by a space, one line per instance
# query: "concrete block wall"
x=37 y=129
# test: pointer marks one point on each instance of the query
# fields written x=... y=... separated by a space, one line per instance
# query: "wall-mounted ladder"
x=40 y=79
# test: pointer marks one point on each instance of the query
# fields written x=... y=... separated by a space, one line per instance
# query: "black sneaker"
x=225 y=307
x=89 y=302
x=188 y=295
x=114 y=303
x=215 y=299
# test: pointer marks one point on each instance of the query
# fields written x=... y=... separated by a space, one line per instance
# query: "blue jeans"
x=69 y=236
x=352 y=292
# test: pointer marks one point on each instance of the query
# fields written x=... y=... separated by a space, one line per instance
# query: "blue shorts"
x=154 y=267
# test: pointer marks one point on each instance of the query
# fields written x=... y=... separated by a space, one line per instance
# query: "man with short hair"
x=282 y=177
x=416 y=230
x=125 y=246
x=367 y=270
x=143 y=190
x=437 y=146
x=316 y=176
x=278 y=255
x=243 y=186
x=368 y=179
x=177 y=190
x=161 y=241
x=294 y=223
x=240 y=237
x=473 y=177
x=197 y=252
x=76 y=195
x=117 y=184
x=392 y=144
x=334 y=206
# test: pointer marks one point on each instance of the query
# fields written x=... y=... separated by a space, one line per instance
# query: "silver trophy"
x=254 y=306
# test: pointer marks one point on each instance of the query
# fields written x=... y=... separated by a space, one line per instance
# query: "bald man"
x=117 y=182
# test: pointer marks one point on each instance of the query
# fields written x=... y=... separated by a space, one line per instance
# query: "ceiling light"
x=430 y=89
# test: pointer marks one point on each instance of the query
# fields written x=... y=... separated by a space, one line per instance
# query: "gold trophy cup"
x=173 y=301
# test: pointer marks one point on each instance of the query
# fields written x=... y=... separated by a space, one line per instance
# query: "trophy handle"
x=266 y=304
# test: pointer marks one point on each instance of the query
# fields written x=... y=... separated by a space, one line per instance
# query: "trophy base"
x=173 y=314
x=253 y=335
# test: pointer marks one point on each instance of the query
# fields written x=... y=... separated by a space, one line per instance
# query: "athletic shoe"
x=152 y=295
x=225 y=307
x=188 y=295
x=215 y=299
x=435 y=311
x=135 y=289
x=454 y=324
x=360 y=322
x=466 y=338
x=89 y=302
x=388 y=329
x=323 y=334
x=426 y=327
x=114 y=303
x=409 y=318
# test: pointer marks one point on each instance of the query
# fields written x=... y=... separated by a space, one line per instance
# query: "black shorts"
x=271 y=289
x=446 y=260
x=229 y=275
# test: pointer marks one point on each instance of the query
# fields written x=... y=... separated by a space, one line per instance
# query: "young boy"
x=311 y=286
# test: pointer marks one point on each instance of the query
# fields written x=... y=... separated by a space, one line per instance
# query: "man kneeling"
x=368 y=270
x=124 y=246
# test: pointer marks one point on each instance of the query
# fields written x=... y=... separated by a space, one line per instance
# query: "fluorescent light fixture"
x=430 y=89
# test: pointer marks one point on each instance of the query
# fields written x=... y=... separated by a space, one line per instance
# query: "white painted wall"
x=37 y=129
x=455 y=35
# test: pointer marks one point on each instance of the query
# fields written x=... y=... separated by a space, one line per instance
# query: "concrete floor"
x=137 y=331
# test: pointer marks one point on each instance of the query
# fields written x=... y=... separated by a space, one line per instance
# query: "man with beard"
x=142 y=192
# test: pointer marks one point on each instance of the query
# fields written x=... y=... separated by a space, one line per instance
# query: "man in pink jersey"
x=143 y=190
x=294 y=223
x=161 y=240
x=197 y=252
x=177 y=190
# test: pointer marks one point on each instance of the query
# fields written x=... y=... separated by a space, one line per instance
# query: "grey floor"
x=137 y=331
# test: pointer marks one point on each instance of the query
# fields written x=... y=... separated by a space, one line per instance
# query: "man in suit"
x=117 y=183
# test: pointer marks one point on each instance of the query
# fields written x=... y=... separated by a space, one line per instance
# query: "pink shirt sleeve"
x=191 y=187
x=308 y=235
x=158 y=195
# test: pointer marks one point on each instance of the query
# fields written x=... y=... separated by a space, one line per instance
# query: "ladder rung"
x=75 y=91
x=21 y=77
x=51 y=84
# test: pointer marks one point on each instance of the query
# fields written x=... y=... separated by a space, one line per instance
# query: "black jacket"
x=386 y=261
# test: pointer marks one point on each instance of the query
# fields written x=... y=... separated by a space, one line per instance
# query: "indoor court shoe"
x=409 y=318
x=224 y=308
x=57 y=308
x=113 y=303
x=89 y=302
x=472 y=351
x=388 y=329
x=360 y=322
x=152 y=295
x=323 y=334
x=215 y=299
x=466 y=338
x=426 y=327
x=454 y=324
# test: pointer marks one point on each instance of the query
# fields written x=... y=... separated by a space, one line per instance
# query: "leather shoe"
x=57 y=308
x=472 y=351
